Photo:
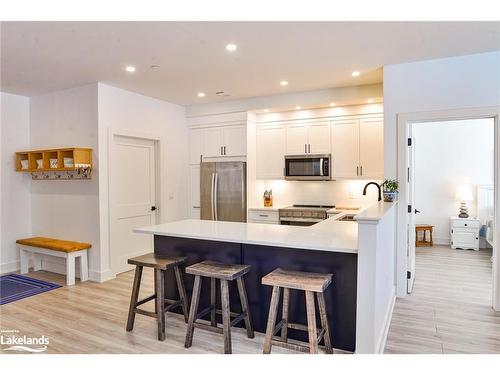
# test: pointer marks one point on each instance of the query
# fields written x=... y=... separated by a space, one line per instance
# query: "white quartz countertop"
x=328 y=235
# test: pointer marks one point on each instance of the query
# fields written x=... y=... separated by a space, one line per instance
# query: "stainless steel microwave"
x=308 y=167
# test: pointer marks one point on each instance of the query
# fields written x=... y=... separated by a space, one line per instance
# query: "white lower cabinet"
x=194 y=191
x=464 y=233
x=265 y=216
x=270 y=151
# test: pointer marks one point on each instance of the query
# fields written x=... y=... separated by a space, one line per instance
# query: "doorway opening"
x=133 y=196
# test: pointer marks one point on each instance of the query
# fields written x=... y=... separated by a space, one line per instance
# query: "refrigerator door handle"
x=212 y=197
x=215 y=196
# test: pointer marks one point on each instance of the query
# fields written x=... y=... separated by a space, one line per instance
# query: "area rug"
x=15 y=287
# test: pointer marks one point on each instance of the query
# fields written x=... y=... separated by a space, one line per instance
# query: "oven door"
x=299 y=221
x=308 y=167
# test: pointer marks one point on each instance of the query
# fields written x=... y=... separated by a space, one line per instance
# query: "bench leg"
x=311 y=323
x=70 y=269
x=271 y=319
x=226 y=316
x=84 y=267
x=37 y=262
x=24 y=259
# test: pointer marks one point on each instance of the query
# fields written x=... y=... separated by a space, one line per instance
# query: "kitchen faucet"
x=378 y=187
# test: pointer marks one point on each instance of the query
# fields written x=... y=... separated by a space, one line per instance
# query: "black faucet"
x=378 y=187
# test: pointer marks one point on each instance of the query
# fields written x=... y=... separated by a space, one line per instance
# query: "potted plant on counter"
x=390 y=188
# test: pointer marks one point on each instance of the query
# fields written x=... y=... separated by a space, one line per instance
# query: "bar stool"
x=223 y=272
x=311 y=284
x=162 y=305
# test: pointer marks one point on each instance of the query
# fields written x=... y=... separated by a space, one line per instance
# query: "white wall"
x=125 y=110
x=448 y=154
x=15 y=187
x=456 y=82
x=67 y=209
x=471 y=81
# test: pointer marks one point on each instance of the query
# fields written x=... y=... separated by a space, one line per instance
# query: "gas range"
x=303 y=214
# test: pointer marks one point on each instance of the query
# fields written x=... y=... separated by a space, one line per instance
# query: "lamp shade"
x=464 y=193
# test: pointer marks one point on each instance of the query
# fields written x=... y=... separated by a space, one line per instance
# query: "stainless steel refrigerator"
x=223 y=191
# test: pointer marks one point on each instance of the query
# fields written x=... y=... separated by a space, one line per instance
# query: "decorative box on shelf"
x=464 y=233
x=72 y=163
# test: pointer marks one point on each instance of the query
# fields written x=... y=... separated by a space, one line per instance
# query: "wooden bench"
x=69 y=250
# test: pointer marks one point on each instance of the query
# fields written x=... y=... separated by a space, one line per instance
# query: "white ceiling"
x=38 y=57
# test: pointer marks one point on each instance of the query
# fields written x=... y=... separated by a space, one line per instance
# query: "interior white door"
x=319 y=138
x=410 y=180
x=212 y=143
x=132 y=198
x=194 y=191
x=345 y=148
x=296 y=139
x=270 y=151
x=371 y=148
x=235 y=140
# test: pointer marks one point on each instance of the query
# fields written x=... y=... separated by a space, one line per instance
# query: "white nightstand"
x=464 y=233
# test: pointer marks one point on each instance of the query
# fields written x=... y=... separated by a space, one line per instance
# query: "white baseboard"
x=101 y=277
x=387 y=323
x=9 y=267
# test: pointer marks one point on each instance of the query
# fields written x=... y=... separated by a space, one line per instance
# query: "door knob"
x=153 y=208
x=417 y=211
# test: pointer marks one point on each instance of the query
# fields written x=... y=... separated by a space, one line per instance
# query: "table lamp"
x=463 y=194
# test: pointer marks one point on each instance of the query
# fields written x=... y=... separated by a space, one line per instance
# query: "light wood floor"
x=90 y=318
x=449 y=310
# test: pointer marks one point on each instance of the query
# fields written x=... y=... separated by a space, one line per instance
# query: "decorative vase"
x=389 y=196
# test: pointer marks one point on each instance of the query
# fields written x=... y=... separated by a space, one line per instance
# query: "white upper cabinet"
x=217 y=141
x=318 y=136
x=194 y=191
x=234 y=139
x=358 y=148
x=296 y=139
x=270 y=151
x=195 y=145
x=213 y=142
x=371 y=147
x=345 y=148
x=308 y=138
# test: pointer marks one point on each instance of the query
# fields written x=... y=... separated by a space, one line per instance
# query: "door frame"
x=160 y=177
x=404 y=122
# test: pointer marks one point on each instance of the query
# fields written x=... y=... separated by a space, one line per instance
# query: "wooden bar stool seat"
x=312 y=284
x=160 y=265
x=224 y=273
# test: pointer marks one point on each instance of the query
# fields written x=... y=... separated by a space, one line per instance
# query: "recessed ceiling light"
x=298 y=107
x=284 y=83
x=231 y=47
x=370 y=100
x=355 y=73
x=266 y=110
x=332 y=104
x=201 y=94
x=130 y=68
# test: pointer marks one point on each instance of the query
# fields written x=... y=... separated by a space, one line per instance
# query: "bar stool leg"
x=195 y=298
x=226 y=316
x=324 y=322
x=271 y=320
x=213 y=301
x=244 y=307
x=134 y=298
x=182 y=292
x=155 y=286
x=311 y=323
x=284 y=315
x=160 y=303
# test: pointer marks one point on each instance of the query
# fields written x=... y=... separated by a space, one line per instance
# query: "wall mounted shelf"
x=73 y=163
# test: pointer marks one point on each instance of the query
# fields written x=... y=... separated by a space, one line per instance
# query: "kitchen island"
x=329 y=247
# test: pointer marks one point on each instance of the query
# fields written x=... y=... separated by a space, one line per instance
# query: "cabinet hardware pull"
x=305 y=148
x=261 y=215
x=224 y=150
x=357 y=170
x=221 y=151
x=196 y=206
x=361 y=170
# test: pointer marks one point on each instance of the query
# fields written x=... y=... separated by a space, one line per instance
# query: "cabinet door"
x=319 y=138
x=270 y=151
x=371 y=148
x=465 y=238
x=194 y=191
x=345 y=148
x=212 y=142
x=235 y=140
x=195 y=145
x=296 y=139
